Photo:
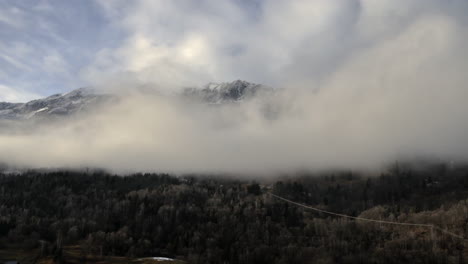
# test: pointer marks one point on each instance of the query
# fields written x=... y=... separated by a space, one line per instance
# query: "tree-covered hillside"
x=224 y=220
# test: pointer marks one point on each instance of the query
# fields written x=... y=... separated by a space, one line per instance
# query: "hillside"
x=202 y=219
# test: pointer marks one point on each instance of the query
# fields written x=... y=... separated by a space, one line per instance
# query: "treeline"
x=224 y=220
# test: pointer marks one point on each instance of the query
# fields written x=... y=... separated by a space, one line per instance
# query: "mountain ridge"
x=82 y=99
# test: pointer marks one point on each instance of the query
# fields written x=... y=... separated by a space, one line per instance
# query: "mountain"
x=227 y=92
x=84 y=99
x=53 y=106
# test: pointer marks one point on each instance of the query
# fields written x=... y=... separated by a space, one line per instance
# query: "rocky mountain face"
x=83 y=99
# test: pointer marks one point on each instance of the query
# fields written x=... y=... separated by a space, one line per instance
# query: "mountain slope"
x=54 y=105
x=83 y=99
x=219 y=93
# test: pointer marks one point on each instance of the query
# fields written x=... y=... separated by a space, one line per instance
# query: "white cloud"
x=285 y=42
x=219 y=40
x=8 y=94
x=54 y=63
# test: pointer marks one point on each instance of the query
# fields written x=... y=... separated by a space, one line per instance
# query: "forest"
x=220 y=219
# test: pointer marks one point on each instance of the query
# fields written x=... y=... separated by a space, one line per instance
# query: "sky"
x=364 y=81
x=52 y=46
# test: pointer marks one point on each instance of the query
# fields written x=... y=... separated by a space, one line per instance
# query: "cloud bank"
x=365 y=82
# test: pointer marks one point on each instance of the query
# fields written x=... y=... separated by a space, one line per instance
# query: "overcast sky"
x=51 y=46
